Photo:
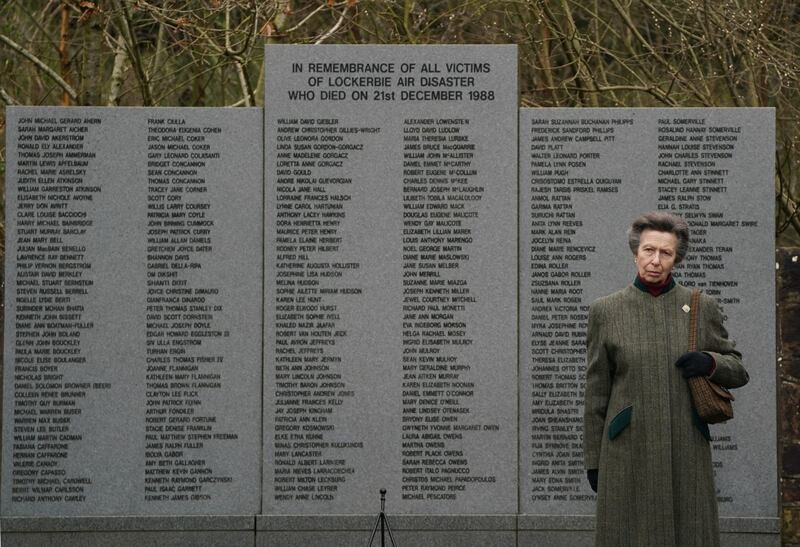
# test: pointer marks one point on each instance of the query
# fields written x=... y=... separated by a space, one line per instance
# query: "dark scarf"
x=654 y=289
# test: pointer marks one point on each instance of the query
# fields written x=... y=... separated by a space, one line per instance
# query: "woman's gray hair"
x=661 y=222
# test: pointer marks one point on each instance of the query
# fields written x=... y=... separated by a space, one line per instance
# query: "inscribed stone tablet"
x=584 y=175
x=132 y=341
x=390 y=330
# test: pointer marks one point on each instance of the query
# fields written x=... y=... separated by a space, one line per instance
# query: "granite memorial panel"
x=584 y=175
x=390 y=290
x=132 y=335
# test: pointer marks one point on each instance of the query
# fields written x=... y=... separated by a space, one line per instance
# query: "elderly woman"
x=647 y=454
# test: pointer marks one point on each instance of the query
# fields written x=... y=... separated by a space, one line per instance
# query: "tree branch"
x=133 y=51
x=40 y=65
x=334 y=28
x=661 y=60
x=117 y=74
x=575 y=51
x=655 y=91
x=8 y=99
x=63 y=49
x=244 y=82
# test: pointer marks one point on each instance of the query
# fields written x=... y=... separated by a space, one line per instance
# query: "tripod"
x=383 y=523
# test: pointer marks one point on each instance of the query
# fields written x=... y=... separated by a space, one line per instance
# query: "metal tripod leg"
x=374 y=530
x=391 y=537
x=383 y=522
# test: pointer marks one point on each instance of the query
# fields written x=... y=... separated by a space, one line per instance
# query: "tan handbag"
x=713 y=403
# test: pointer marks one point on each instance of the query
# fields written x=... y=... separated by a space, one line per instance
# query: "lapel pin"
x=686 y=308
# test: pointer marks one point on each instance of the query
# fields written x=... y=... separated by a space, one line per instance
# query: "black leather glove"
x=695 y=363
x=591 y=474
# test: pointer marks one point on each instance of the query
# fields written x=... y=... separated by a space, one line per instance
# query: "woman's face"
x=656 y=256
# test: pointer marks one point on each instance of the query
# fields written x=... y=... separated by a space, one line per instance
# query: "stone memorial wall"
x=133 y=247
x=584 y=175
x=234 y=326
x=390 y=323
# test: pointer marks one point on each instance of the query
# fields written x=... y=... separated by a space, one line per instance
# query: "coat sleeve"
x=729 y=371
x=599 y=376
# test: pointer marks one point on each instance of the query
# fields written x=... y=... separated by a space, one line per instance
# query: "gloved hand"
x=695 y=363
x=591 y=474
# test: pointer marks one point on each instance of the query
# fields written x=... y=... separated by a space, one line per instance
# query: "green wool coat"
x=656 y=484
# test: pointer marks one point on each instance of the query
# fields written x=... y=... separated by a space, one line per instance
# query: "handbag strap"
x=694 y=303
